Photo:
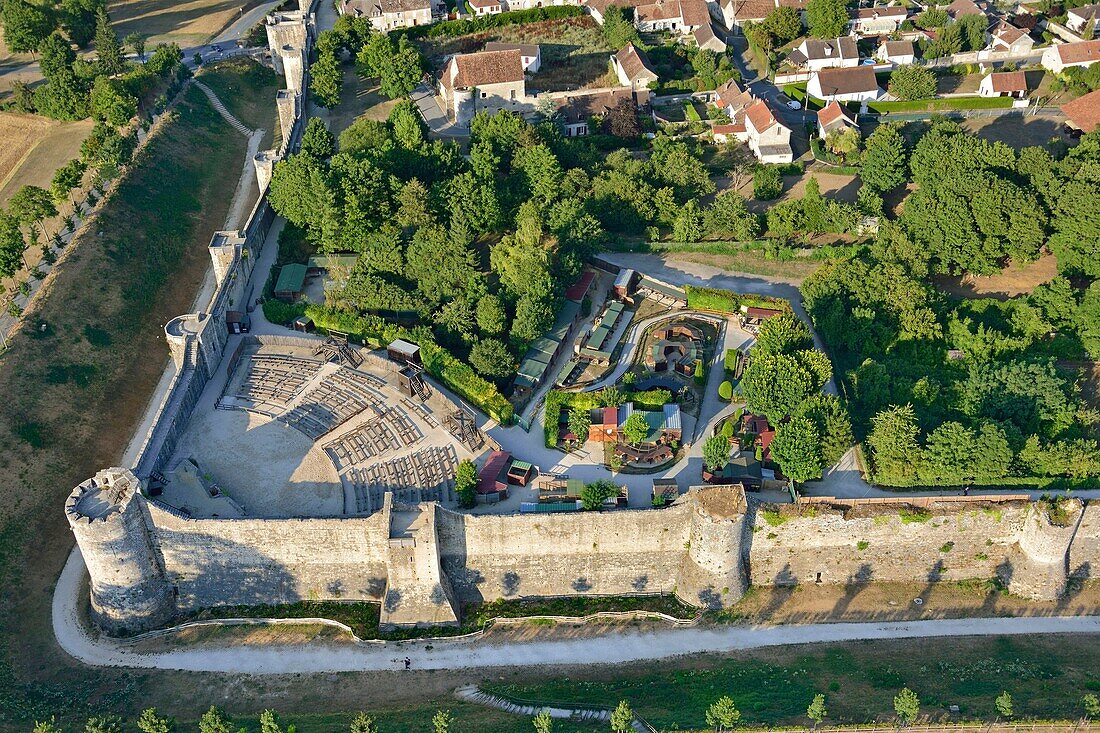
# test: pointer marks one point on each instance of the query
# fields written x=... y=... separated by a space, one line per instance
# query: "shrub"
x=725 y=390
x=730 y=360
x=767 y=183
x=862 y=545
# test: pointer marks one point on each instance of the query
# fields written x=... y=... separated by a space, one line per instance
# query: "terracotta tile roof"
x=1079 y=53
x=1086 y=12
x=485 y=3
x=1084 y=112
x=796 y=4
x=760 y=116
x=485 y=67
x=959 y=8
x=694 y=12
x=525 y=49
x=704 y=35
x=833 y=116
x=660 y=10
x=601 y=6
x=579 y=107
x=1008 y=34
x=1009 y=81
x=635 y=63
x=847 y=81
x=731 y=94
x=370 y=8
x=751 y=9
x=899 y=48
x=892 y=11
x=731 y=129
x=834 y=48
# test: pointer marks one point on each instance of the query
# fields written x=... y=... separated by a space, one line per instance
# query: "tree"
x=783 y=24
x=617 y=28
x=108 y=49
x=317 y=141
x=884 y=159
x=136 y=42
x=326 y=78
x=12 y=245
x=103 y=724
x=893 y=441
x=906 y=705
x=797 y=449
x=775 y=384
x=110 y=102
x=47 y=726
x=729 y=217
x=725 y=390
x=491 y=359
x=542 y=722
x=622 y=718
x=911 y=82
x=579 y=423
x=151 y=722
x=1091 y=703
x=465 y=488
x=635 y=429
x=31 y=205
x=403 y=71
x=363 y=723
x=164 y=60
x=767 y=184
x=716 y=452
x=491 y=317
x=26 y=25
x=214 y=721
x=1003 y=704
x=442 y=720
x=833 y=425
x=689 y=223
x=782 y=334
x=63 y=96
x=593 y=496
x=972 y=28
x=622 y=120
x=827 y=18
x=67 y=178
x=722 y=714
x=816 y=711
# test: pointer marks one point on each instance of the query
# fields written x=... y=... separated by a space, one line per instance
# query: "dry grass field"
x=32 y=148
x=186 y=22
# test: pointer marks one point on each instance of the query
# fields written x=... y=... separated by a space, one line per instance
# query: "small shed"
x=237 y=322
x=303 y=324
x=292 y=278
x=665 y=491
x=624 y=284
x=403 y=352
x=490 y=487
x=520 y=472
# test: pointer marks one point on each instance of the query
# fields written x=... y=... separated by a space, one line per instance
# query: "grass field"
x=359 y=97
x=247 y=89
x=74 y=391
x=32 y=148
x=186 y=22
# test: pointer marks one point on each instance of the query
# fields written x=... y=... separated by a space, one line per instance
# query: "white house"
x=1064 y=55
x=899 y=53
x=856 y=84
x=633 y=68
x=733 y=100
x=1086 y=16
x=1004 y=84
x=678 y=16
x=881 y=20
x=487 y=80
x=733 y=14
x=1005 y=38
x=959 y=8
x=767 y=137
x=832 y=119
x=529 y=53
x=1083 y=113
x=386 y=15
x=815 y=54
x=487 y=7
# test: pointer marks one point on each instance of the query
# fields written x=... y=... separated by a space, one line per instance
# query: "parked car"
x=794 y=104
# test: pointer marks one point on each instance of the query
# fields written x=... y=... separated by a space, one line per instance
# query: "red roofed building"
x=833 y=118
x=767 y=137
x=1065 y=55
x=490 y=487
x=579 y=289
x=487 y=80
x=1083 y=113
x=1004 y=84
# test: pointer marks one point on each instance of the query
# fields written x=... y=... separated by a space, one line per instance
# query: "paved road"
x=444 y=654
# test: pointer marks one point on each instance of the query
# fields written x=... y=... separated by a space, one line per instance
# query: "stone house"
x=1065 y=55
x=386 y=15
x=960 y=8
x=879 y=20
x=1079 y=20
x=486 y=80
x=899 y=53
x=833 y=119
x=577 y=110
x=632 y=67
x=835 y=53
x=529 y=53
x=1006 y=38
x=487 y=7
x=855 y=84
x=767 y=137
x=1004 y=84
x=733 y=14
x=705 y=38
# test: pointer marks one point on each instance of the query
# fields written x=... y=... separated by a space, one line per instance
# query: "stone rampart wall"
x=217 y=562
x=1084 y=553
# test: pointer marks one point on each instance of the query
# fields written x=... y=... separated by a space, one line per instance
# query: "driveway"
x=428 y=103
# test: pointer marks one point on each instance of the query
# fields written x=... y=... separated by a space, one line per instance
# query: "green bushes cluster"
x=651 y=399
x=727 y=301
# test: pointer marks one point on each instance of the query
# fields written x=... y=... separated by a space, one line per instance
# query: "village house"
x=857 y=84
x=833 y=118
x=1081 y=20
x=1065 y=55
x=386 y=15
x=529 y=53
x=487 y=7
x=487 y=80
x=960 y=8
x=815 y=54
x=705 y=38
x=898 y=53
x=576 y=111
x=734 y=101
x=733 y=14
x=1083 y=113
x=878 y=21
x=767 y=137
x=632 y=67
x=1004 y=84
x=679 y=16
x=1006 y=38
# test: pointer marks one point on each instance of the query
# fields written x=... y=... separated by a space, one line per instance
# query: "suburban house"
x=386 y=15
x=683 y=16
x=633 y=68
x=833 y=119
x=1083 y=113
x=734 y=101
x=1006 y=38
x=767 y=137
x=487 y=80
x=857 y=84
x=1079 y=20
x=734 y=14
x=487 y=7
x=1064 y=55
x=1004 y=84
x=899 y=53
x=529 y=54
x=705 y=38
x=577 y=110
x=815 y=54
x=879 y=20
x=959 y=8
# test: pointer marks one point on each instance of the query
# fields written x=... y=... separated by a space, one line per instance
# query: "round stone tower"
x=1039 y=569
x=713 y=572
x=129 y=590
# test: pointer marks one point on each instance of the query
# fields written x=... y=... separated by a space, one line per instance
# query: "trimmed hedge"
x=452 y=28
x=934 y=105
x=718 y=300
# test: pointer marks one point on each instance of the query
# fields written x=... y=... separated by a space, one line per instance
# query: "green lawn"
x=247 y=89
x=941 y=105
